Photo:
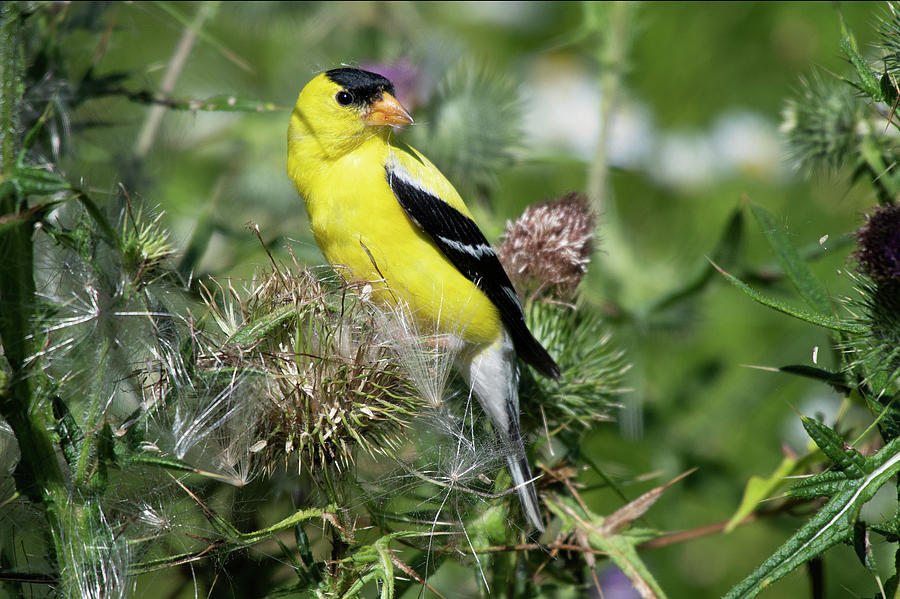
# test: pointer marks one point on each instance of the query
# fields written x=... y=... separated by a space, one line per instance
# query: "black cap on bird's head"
x=371 y=93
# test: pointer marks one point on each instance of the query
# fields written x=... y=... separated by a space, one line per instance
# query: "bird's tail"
x=523 y=481
x=493 y=375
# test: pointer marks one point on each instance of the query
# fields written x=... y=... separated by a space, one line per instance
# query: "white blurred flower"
x=561 y=100
x=562 y=115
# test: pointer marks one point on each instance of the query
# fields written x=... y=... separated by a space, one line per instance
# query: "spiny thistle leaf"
x=822 y=320
x=867 y=83
x=832 y=445
x=811 y=290
x=833 y=523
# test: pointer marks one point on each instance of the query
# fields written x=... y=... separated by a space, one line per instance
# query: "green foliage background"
x=694 y=402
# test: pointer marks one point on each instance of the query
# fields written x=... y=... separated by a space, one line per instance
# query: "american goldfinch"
x=379 y=208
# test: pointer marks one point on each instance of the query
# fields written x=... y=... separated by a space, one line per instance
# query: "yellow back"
x=338 y=165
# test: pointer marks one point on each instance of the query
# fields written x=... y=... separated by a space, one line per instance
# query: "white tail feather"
x=493 y=375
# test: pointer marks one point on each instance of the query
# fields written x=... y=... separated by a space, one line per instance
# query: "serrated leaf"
x=822 y=320
x=759 y=489
x=793 y=265
x=832 y=445
x=868 y=82
x=37 y=181
x=837 y=380
x=824 y=484
x=833 y=523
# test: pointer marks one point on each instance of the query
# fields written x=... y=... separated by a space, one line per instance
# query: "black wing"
x=463 y=243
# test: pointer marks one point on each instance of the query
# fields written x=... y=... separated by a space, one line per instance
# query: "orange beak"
x=387 y=111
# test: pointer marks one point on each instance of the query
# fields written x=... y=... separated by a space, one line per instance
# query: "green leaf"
x=31 y=136
x=833 y=523
x=822 y=320
x=304 y=551
x=37 y=181
x=824 y=484
x=880 y=171
x=67 y=429
x=838 y=380
x=759 y=489
x=868 y=81
x=791 y=262
x=832 y=445
x=99 y=218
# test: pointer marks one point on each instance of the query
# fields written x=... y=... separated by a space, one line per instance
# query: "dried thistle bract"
x=548 y=248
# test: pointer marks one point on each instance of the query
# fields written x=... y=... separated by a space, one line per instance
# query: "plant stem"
x=611 y=56
x=37 y=475
x=176 y=64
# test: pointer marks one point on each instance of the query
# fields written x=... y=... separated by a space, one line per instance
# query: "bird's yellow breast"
x=358 y=222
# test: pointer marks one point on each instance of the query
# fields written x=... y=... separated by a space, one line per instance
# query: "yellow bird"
x=382 y=210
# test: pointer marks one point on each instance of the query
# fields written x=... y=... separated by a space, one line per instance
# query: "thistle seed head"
x=328 y=383
x=548 y=248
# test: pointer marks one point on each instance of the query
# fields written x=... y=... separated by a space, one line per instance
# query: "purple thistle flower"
x=405 y=77
x=878 y=245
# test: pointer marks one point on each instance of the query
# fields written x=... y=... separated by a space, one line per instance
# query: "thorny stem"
x=37 y=475
x=10 y=54
x=84 y=456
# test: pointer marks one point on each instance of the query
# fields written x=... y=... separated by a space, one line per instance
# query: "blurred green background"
x=695 y=130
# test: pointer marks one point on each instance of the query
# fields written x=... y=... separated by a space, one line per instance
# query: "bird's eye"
x=344 y=98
